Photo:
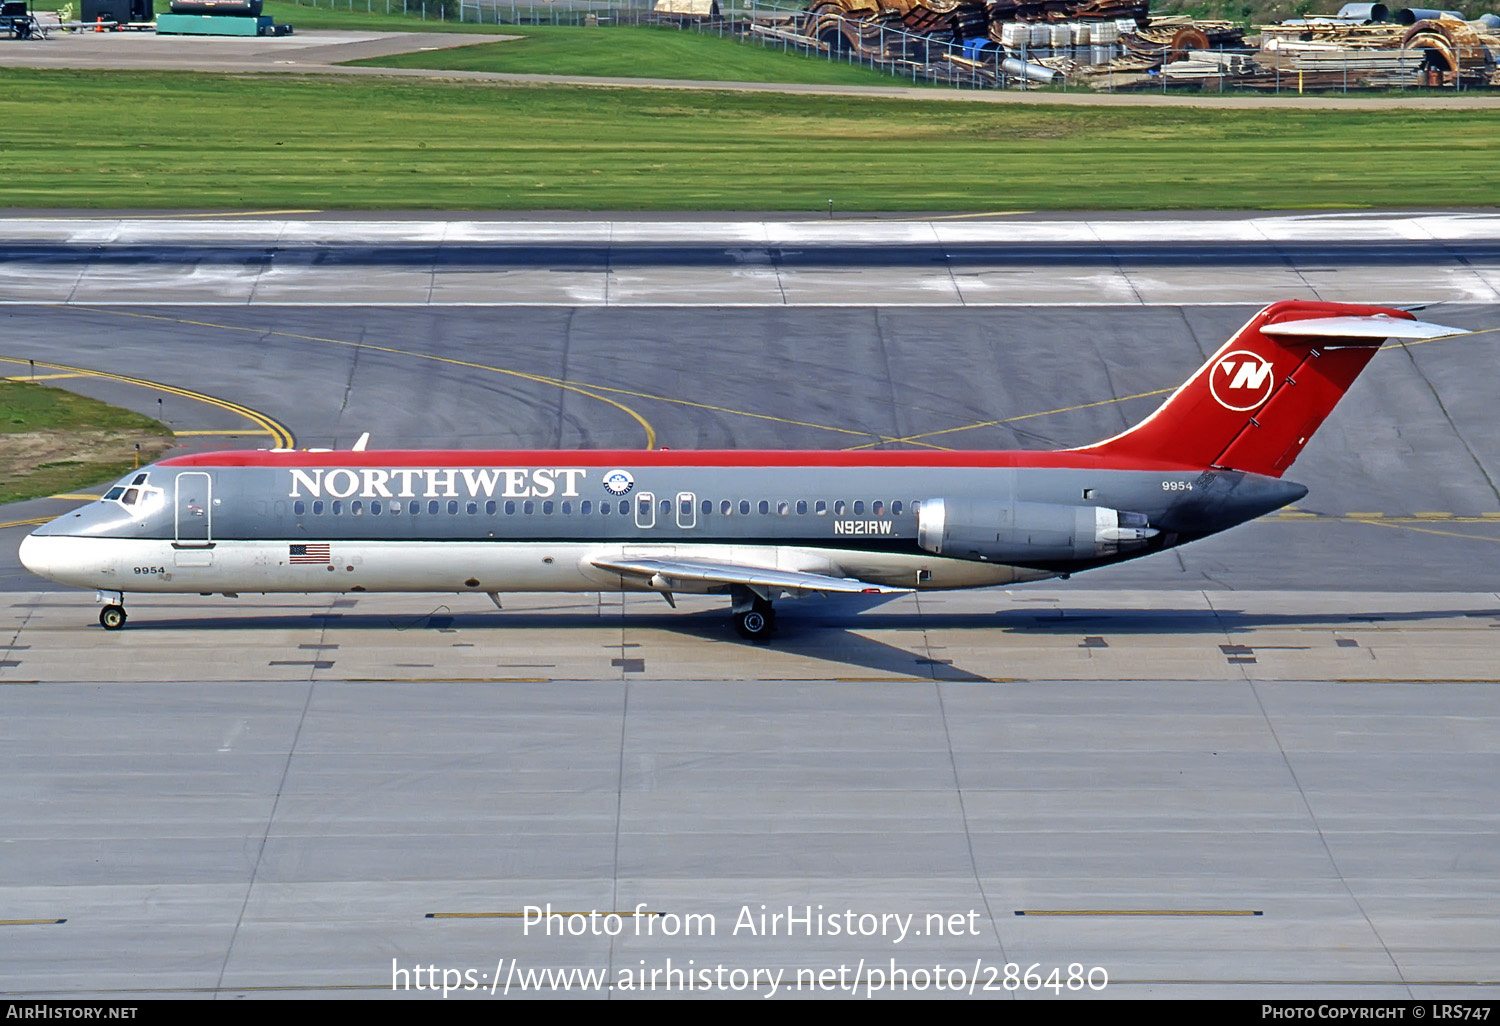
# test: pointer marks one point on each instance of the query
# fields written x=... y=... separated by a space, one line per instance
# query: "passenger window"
x=744 y=507
x=877 y=508
x=725 y=507
x=624 y=507
x=666 y=507
x=567 y=509
x=357 y=508
x=471 y=508
x=396 y=508
x=604 y=508
x=839 y=507
x=336 y=507
x=414 y=508
x=452 y=507
x=528 y=507
x=859 y=507
x=510 y=508
x=318 y=508
x=802 y=507
x=547 y=508
x=708 y=506
x=783 y=507
x=299 y=507
x=896 y=508
x=765 y=507
x=433 y=507
x=375 y=508
x=586 y=507
x=821 y=508
x=490 y=508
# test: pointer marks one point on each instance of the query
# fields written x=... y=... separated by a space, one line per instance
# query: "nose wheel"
x=112 y=618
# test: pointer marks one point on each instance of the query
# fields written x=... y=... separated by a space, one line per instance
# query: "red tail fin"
x=1257 y=401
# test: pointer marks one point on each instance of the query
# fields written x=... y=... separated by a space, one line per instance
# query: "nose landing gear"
x=112 y=616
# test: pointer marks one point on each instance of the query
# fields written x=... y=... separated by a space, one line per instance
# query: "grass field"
x=636 y=52
x=237 y=142
x=326 y=16
x=53 y=441
x=613 y=51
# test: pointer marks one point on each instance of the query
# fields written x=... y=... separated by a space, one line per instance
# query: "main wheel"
x=112 y=618
x=754 y=624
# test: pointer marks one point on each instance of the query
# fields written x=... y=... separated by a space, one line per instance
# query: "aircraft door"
x=687 y=510
x=194 y=505
x=645 y=510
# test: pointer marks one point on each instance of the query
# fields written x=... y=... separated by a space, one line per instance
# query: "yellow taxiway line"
x=280 y=434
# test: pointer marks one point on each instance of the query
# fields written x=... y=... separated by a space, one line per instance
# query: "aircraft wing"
x=754 y=577
x=1376 y=326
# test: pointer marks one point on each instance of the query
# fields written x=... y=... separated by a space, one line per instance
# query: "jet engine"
x=1027 y=533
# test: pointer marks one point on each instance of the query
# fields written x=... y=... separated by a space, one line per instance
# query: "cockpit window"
x=131 y=495
x=115 y=492
x=140 y=479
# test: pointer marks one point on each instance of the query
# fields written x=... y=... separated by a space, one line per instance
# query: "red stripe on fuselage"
x=630 y=458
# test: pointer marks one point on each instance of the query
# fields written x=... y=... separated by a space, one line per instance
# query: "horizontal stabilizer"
x=1378 y=326
x=703 y=571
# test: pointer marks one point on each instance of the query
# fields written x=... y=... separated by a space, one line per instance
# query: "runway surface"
x=1264 y=769
x=1420 y=257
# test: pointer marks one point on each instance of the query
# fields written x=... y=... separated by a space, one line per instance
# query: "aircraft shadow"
x=833 y=631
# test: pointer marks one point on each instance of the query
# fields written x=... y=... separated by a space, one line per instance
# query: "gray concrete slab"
x=1206 y=838
x=968 y=636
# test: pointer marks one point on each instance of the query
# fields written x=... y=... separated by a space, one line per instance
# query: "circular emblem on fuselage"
x=618 y=482
x=1241 y=380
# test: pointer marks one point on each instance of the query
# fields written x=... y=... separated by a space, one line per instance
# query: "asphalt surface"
x=1402 y=477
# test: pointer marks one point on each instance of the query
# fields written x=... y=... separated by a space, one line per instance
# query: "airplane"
x=754 y=525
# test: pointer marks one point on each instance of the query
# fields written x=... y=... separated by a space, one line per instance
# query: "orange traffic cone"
x=99 y=25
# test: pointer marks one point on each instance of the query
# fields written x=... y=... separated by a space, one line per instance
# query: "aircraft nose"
x=35 y=554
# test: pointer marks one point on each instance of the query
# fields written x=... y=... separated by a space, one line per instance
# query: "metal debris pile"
x=1029 y=40
x=1431 y=48
x=1116 y=44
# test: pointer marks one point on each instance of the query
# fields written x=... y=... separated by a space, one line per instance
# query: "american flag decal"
x=314 y=553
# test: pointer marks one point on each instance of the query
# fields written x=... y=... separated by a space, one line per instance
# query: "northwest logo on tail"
x=1241 y=380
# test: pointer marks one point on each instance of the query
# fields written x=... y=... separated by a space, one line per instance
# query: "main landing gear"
x=112 y=616
x=753 y=616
